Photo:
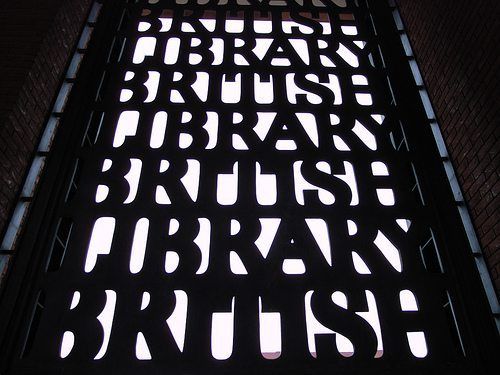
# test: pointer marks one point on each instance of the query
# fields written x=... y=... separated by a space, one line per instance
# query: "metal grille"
x=246 y=197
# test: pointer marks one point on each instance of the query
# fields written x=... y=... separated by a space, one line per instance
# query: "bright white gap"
x=269 y=333
x=166 y=24
x=300 y=46
x=332 y=84
x=264 y=123
x=152 y=85
x=158 y=130
x=186 y=117
x=360 y=43
x=386 y=197
x=217 y=49
x=187 y=28
x=200 y=86
x=269 y=228
x=106 y=319
x=417 y=343
x=171 y=261
x=235 y=227
x=294 y=266
x=372 y=317
x=313 y=327
x=358 y=79
x=344 y=345
x=172 y=51
x=236 y=265
x=208 y=23
x=285 y=145
x=334 y=119
x=390 y=252
x=325 y=60
x=191 y=179
x=349 y=30
x=359 y=264
x=319 y=230
x=237 y=118
x=308 y=122
x=340 y=144
x=185 y=140
x=292 y=90
x=408 y=301
x=161 y=196
x=143 y=26
x=378 y=118
x=352 y=228
x=211 y=127
x=125 y=127
x=126 y=95
x=173 y=226
x=139 y=245
x=231 y=91
x=178 y=319
x=340 y=3
x=265 y=187
x=227 y=187
x=146 y=298
x=327 y=28
x=379 y=169
x=222 y=333
x=100 y=241
x=364 y=99
x=106 y=165
x=145 y=47
x=404 y=224
x=288 y=25
x=133 y=177
x=365 y=135
x=202 y=240
x=101 y=193
x=68 y=341
x=263 y=90
x=75 y=300
x=238 y=143
x=195 y=58
x=348 y=56
x=234 y=26
x=261 y=47
x=300 y=184
x=350 y=179
x=175 y=95
x=263 y=26
x=142 y=352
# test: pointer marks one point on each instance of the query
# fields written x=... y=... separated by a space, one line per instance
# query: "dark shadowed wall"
x=457 y=44
x=36 y=40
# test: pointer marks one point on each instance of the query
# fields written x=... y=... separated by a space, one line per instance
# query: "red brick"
x=461 y=75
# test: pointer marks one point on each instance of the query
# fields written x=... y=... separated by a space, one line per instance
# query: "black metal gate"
x=245 y=187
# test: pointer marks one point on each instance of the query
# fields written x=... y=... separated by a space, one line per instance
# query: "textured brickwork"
x=36 y=39
x=456 y=43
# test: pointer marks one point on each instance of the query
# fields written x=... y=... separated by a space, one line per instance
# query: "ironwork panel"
x=243 y=195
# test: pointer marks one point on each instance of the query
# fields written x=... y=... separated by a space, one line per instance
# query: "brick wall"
x=456 y=43
x=36 y=39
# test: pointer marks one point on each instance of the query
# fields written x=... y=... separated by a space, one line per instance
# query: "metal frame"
x=476 y=329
